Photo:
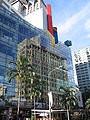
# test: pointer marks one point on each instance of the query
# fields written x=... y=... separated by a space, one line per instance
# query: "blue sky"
x=72 y=18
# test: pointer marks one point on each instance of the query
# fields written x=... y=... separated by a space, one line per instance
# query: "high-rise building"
x=13 y=30
x=82 y=65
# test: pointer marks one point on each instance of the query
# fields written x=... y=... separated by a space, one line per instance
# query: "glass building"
x=13 y=30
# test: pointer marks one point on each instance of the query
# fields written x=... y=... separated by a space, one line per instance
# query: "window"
x=7 y=21
x=30 y=9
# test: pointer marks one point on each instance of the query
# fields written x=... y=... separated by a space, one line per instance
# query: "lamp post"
x=49 y=92
x=34 y=109
x=18 y=103
x=19 y=95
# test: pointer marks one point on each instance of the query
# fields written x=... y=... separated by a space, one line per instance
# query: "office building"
x=82 y=65
x=13 y=30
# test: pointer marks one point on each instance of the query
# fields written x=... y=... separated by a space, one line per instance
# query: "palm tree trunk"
x=18 y=101
x=34 y=109
x=60 y=116
x=68 y=113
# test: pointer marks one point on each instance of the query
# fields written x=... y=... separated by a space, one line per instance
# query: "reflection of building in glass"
x=82 y=64
x=13 y=30
x=43 y=61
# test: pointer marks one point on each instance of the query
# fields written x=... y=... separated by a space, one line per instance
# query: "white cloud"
x=87 y=25
x=73 y=20
x=88 y=35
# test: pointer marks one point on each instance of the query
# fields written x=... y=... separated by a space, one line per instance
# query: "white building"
x=33 y=11
x=82 y=65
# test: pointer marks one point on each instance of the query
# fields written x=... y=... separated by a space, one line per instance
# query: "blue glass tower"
x=13 y=30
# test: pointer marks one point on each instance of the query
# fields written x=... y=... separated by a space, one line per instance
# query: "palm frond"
x=69 y=97
x=12 y=76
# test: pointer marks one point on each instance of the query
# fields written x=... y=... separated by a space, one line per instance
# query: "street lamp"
x=49 y=92
x=18 y=102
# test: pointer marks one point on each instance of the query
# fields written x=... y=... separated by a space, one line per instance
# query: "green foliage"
x=23 y=72
x=19 y=70
x=86 y=95
x=32 y=117
x=68 y=98
x=87 y=103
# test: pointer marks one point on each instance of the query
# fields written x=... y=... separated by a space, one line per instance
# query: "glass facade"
x=13 y=30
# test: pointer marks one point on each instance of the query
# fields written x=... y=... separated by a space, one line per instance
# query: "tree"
x=85 y=96
x=87 y=103
x=23 y=73
x=68 y=98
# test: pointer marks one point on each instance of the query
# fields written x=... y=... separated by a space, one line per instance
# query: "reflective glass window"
x=6 y=33
x=7 y=21
x=6 y=49
x=2 y=70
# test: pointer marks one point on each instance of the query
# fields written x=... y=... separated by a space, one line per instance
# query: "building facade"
x=13 y=30
x=82 y=65
x=37 y=13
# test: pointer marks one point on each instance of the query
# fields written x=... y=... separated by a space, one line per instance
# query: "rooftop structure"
x=34 y=12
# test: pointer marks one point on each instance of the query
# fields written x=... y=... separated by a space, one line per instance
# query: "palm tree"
x=68 y=99
x=87 y=103
x=85 y=95
x=23 y=72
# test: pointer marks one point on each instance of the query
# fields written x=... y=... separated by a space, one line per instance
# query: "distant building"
x=82 y=65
